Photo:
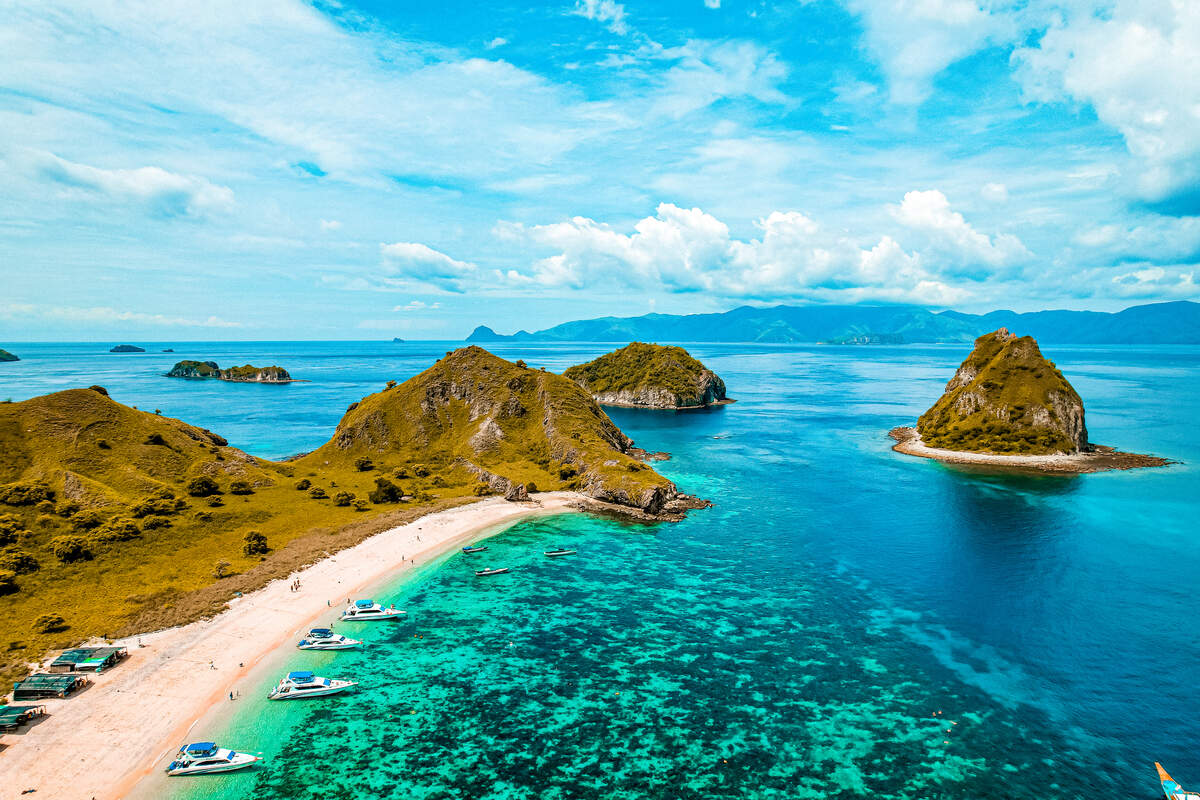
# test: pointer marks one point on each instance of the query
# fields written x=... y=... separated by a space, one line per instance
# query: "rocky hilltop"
x=244 y=374
x=1006 y=397
x=649 y=376
x=477 y=418
x=1008 y=405
x=7 y=356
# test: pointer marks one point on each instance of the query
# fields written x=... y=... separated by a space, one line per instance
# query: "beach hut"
x=12 y=717
x=88 y=659
x=35 y=687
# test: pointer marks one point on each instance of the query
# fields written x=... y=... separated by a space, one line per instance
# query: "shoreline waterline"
x=108 y=739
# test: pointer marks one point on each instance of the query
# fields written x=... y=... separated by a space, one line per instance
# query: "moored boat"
x=366 y=610
x=205 y=758
x=479 y=573
x=326 y=639
x=559 y=551
x=474 y=548
x=1171 y=789
x=296 y=685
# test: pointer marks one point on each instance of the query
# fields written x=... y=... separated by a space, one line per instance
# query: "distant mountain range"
x=1155 y=323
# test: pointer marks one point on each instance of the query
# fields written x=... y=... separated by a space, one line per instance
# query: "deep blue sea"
x=844 y=622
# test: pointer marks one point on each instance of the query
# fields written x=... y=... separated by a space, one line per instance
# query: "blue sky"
x=277 y=169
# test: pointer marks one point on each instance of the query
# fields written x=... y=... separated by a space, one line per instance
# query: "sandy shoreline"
x=908 y=441
x=101 y=742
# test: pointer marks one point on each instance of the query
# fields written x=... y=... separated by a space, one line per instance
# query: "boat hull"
x=304 y=694
x=240 y=761
x=340 y=646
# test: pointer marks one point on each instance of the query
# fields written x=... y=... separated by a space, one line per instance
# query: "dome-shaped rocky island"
x=1007 y=405
x=642 y=375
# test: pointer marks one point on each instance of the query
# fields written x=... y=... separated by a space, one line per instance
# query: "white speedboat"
x=204 y=758
x=558 y=551
x=297 y=685
x=479 y=573
x=326 y=639
x=365 y=610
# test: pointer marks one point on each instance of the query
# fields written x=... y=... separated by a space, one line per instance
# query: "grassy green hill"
x=649 y=375
x=1006 y=397
x=119 y=520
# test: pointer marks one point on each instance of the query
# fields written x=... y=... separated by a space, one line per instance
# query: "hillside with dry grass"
x=115 y=520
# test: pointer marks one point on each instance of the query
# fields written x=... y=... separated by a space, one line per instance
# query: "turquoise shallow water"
x=844 y=622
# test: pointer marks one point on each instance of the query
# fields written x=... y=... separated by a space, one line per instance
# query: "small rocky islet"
x=127 y=348
x=7 y=356
x=642 y=375
x=1007 y=404
x=244 y=374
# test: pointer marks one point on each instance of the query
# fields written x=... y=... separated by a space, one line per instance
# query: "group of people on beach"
x=295 y=587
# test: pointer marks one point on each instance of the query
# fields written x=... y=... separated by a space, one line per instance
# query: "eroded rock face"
x=1006 y=397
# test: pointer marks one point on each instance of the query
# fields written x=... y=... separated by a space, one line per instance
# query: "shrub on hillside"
x=86 y=521
x=118 y=530
x=255 y=544
x=421 y=471
x=482 y=490
x=25 y=494
x=531 y=487
x=154 y=506
x=303 y=484
x=361 y=505
x=99 y=390
x=11 y=529
x=68 y=549
x=49 y=623
x=343 y=498
x=385 y=492
x=363 y=464
x=438 y=481
x=202 y=486
x=221 y=569
x=317 y=493
x=156 y=438
x=18 y=561
x=240 y=487
x=8 y=582
x=154 y=523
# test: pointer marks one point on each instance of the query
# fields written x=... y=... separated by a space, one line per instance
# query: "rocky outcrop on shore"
x=1006 y=398
x=643 y=375
x=244 y=374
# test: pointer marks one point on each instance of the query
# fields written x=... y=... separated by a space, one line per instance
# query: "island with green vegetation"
x=127 y=348
x=7 y=356
x=243 y=374
x=1008 y=404
x=114 y=521
x=643 y=375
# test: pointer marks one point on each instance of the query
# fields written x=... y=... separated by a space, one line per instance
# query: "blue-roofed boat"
x=1171 y=789
x=205 y=758
x=474 y=548
x=326 y=639
x=368 y=610
x=302 y=683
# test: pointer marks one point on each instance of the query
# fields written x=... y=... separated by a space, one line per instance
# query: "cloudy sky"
x=278 y=169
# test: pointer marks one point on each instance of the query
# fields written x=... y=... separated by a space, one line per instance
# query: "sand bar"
x=103 y=740
x=908 y=441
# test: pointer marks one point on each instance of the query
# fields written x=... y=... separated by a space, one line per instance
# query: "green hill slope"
x=1006 y=398
x=649 y=375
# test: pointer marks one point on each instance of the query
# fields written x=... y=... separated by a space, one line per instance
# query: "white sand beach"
x=908 y=441
x=103 y=740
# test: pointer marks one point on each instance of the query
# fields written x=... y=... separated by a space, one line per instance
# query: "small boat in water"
x=559 y=551
x=296 y=685
x=362 y=610
x=474 y=548
x=326 y=639
x=479 y=573
x=1171 y=789
x=205 y=758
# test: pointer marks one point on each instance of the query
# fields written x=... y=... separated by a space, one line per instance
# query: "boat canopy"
x=199 y=748
x=364 y=603
x=321 y=632
x=300 y=677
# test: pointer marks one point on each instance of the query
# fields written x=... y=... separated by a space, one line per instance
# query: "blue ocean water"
x=844 y=622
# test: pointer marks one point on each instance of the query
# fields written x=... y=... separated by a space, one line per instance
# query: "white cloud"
x=1137 y=63
x=102 y=315
x=417 y=305
x=914 y=40
x=685 y=250
x=994 y=192
x=499 y=41
x=419 y=263
x=708 y=71
x=161 y=192
x=962 y=250
x=606 y=11
x=330 y=225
